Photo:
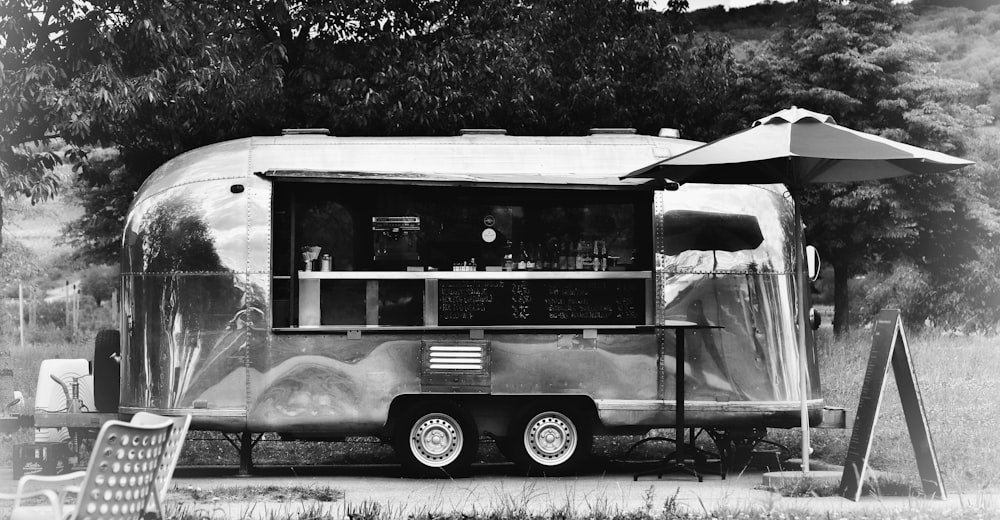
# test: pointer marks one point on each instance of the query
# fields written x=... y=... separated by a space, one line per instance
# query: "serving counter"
x=422 y=299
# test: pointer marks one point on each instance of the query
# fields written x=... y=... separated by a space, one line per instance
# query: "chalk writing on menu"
x=541 y=302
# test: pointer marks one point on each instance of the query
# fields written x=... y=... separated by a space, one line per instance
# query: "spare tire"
x=107 y=371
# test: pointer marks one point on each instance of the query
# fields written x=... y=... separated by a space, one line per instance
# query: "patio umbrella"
x=796 y=147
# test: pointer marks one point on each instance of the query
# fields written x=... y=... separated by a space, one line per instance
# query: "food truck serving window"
x=348 y=255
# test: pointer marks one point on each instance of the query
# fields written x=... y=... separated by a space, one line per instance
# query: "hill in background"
x=963 y=34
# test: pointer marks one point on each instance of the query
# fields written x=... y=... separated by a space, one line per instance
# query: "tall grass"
x=961 y=397
x=601 y=508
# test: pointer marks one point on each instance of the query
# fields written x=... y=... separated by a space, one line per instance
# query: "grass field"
x=957 y=381
x=955 y=376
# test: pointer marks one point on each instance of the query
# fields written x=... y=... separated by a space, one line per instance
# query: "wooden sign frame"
x=889 y=346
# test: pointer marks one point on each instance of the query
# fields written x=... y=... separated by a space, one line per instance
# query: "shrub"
x=905 y=287
x=50 y=318
x=99 y=282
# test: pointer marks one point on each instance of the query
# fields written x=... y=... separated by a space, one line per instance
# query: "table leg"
x=680 y=464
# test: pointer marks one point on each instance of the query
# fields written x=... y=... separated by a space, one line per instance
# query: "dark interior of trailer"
x=395 y=227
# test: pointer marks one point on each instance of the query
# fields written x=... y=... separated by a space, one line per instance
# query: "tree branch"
x=263 y=26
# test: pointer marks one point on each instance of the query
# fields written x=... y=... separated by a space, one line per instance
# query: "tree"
x=974 y=301
x=181 y=74
x=40 y=54
x=850 y=60
x=52 y=80
x=252 y=67
x=100 y=282
x=104 y=189
x=60 y=87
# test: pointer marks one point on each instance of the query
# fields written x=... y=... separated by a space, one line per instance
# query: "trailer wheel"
x=551 y=440
x=436 y=440
x=107 y=374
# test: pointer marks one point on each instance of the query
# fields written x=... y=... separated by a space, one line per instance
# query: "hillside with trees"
x=926 y=76
x=144 y=81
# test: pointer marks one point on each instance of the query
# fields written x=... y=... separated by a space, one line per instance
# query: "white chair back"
x=172 y=453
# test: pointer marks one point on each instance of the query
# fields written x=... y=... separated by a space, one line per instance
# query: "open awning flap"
x=457 y=179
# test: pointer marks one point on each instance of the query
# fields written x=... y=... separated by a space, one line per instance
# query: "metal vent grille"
x=456 y=357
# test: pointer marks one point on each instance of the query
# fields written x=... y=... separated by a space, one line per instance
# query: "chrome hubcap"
x=436 y=440
x=550 y=438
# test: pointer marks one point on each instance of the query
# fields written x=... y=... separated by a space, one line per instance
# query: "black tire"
x=435 y=440
x=107 y=372
x=507 y=447
x=549 y=439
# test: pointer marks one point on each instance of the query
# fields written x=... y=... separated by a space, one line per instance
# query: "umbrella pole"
x=803 y=290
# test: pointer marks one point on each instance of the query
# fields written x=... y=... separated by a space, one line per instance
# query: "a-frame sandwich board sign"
x=889 y=345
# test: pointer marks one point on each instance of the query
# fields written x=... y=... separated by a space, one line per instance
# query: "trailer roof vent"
x=612 y=131
x=670 y=132
x=482 y=131
x=305 y=131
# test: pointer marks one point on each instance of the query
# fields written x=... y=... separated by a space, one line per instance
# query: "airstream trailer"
x=435 y=290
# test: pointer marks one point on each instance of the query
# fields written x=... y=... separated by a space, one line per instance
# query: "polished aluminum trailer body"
x=198 y=336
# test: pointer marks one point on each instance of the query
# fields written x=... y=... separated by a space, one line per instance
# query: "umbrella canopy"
x=796 y=147
x=703 y=231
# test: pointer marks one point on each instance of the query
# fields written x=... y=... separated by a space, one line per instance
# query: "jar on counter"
x=326 y=263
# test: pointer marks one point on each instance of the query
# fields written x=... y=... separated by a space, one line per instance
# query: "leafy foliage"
x=17 y=262
x=851 y=60
x=184 y=76
x=105 y=190
x=964 y=42
x=49 y=70
x=155 y=79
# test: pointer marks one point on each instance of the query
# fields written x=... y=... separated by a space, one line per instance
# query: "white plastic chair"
x=172 y=453
x=119 y=481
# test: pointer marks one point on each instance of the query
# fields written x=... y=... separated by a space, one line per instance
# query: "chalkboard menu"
x=541 y=302
x=889 y=347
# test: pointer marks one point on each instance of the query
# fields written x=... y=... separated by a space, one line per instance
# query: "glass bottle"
x=551 y=256
x=508 y=257
x=522 y=257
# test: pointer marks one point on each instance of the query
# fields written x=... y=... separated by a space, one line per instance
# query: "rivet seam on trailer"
x=658 y=248
x=187 y=273
x=356 y=140
x=681 y=270
x=249 y=174
x=246 y=301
